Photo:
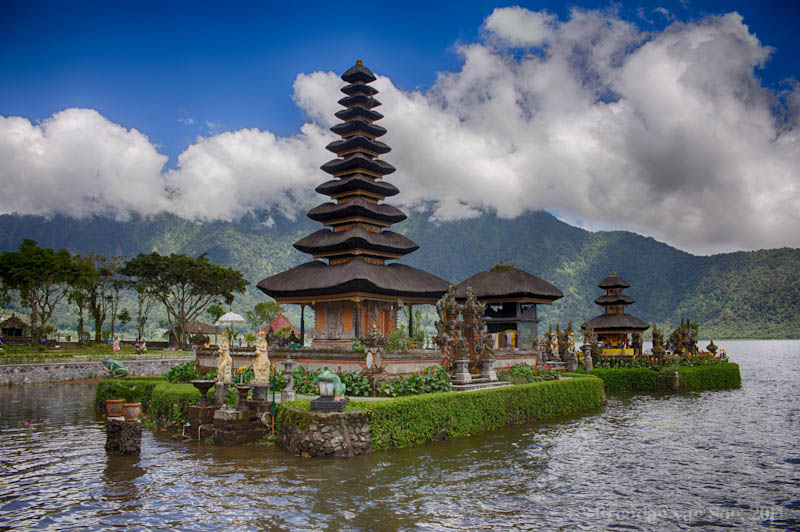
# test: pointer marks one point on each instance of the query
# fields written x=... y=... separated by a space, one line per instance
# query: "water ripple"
x=697 y=461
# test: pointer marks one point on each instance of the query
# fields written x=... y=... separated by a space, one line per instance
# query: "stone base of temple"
x=340 y=344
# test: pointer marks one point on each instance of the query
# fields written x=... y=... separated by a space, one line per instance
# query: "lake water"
x=696 y=461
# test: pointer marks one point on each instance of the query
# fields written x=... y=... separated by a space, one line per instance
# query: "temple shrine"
x=356 y=288
x=510 y=296
x=614 y=325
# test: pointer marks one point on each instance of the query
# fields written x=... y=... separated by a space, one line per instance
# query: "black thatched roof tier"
x=358 y=111
x=359 y=88
x=509 y=284
x=614 y=300
x=358 y=161
x=358 y=73
x=355 y=142
x=317 y=279
x=356 y=237
x=361 y=99
x=357 y=182
x=613 y=282
x=617 y=322
x=356 y=207
x=358 y=126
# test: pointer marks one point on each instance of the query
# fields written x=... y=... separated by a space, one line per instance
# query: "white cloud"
x=669 y=134
x=520 y=27
x=78 y=163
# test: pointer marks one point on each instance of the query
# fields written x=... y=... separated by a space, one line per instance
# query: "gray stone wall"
x=313 y=434
x=68 y=371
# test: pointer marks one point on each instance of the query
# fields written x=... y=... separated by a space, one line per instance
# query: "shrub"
x=188 y=371
x=703 y=376
x=169 y=404
x=627 y=379
x=306 y=382
x=411 y=420
x=430 y=380
x=710 y=377
x=397 y=341
x=522 y=373
x=137 y=390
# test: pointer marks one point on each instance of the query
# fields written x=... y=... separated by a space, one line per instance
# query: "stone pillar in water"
x=124 y=437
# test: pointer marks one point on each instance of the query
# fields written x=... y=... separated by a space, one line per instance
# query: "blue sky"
x=675 y=119
x=155 y=66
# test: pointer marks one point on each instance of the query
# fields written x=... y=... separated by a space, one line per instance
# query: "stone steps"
x=484 y=384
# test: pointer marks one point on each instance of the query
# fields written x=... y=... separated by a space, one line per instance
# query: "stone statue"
x=225 y=362
x=554 y=347
x=449 y=327
x=571 y=343
x=712 y=348
x=691 y=338
x=548 y=343
x=115 y=368
x=658 y=343
x=261 y=365
x=636 y=339
x=472 y=312
x=538 y=348
x=563 y=354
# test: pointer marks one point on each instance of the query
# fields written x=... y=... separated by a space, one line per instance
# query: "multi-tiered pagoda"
x=613 y=326
x=356 y=288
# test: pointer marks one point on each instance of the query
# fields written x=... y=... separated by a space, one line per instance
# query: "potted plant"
x=114 y=407
x=129 y=392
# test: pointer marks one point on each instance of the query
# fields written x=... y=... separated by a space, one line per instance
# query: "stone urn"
x=114 y=407
x=203 y=386
x=132 y=411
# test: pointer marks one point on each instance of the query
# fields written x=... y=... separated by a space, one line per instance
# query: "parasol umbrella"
x=229 y=320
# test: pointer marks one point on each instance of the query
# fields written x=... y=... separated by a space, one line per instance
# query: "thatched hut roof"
x=316 y=278
x=14 y=322
x=510 y=283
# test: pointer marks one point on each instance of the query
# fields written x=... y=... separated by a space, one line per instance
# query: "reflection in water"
x=700 y=461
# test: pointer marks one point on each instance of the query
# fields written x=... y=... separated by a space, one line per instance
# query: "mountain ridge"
x=751 y=294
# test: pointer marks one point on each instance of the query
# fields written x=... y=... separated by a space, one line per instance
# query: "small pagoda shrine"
x=510 y=296
x=613 y=326
x=356 y=288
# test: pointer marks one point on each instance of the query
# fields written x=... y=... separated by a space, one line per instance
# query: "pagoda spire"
x=356 y=221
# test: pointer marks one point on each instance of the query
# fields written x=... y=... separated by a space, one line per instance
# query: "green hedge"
x=141 y=389
x=627 y=379
x=169 y=404
x=714 y=377
x=692 y=378
x=412 y=420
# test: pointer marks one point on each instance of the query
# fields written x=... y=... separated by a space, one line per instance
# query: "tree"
x=124 y=318
x=41 y=276
x=95 y=279
x=215 y=312
x=263 y=314
x=184 y=285
x=145 y=299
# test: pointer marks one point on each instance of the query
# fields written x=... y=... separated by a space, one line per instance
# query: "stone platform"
x=479 y=382
x=234 y=427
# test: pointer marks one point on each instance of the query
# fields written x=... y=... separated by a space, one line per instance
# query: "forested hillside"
x=734 y=295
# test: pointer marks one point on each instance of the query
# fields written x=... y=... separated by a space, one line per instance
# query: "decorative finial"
x=359 y=62
x=613 y=273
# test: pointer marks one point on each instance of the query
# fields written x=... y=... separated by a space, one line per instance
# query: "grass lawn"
x=24 y=354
